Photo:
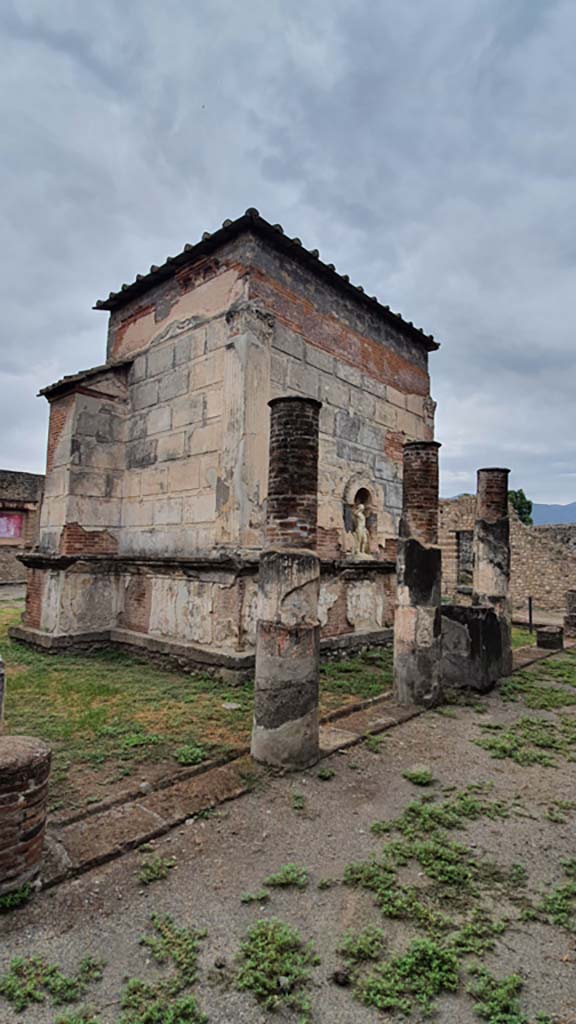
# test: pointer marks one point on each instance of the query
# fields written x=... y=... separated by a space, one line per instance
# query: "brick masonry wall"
x=543 y=558
x=24 y=773
x=363 y=427
x=292 y=507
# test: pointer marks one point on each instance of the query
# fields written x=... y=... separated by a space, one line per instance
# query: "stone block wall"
x=543 y=561
x=157 y=482
x=209 y=609
x=20 y=499
x=81 y=511
x=210 y=347
x=175 y=437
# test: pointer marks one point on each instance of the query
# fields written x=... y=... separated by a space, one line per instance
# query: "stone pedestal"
x=287 y=656
x=285 y=729
x=550 y=638
x=417 y=622
x=491 y=574
x=471 y=647
x=24 y=772
x=570 y=614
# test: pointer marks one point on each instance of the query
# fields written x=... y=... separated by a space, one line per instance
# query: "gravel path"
x=105 y=912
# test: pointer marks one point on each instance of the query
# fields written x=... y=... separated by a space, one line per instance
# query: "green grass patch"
x=191 y=754
x=275 y=965
x=32 y=979
x=523 y=637
x=17 y=898
x=325 y=774
x=108 y=714
x=426 y=816
x=298 y=802
x=154 y=869
x=288 y=876
x=559 y=906
x=559 y=810
x=533 y=741
x=367 y=675
x=419 y=777
x=363 y=946
x=496 y=999
x=373 y=744
x=261 y=896
x=165 y=1001
x=159 y=1003
x=412 y=979
x=179 y=946
x=78 y=1017
x=535 y=692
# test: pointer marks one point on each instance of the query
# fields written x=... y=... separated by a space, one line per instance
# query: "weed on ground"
x=32 y=979
x=166 y=1001
x=288 y=876
x=16 y=898
x=154 y=869
x=419 y=777
x=260 y=896
x=275 y=965
x=532 y=741
x=298 y=802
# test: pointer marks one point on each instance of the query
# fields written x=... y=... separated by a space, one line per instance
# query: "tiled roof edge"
x=251 y=220
x=75 y=378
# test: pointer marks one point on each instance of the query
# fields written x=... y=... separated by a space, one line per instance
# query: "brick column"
x=24 y=771
x=570 y=613
x=417 y=624
x=285 y=730
x=491 y=577
x=292 y=510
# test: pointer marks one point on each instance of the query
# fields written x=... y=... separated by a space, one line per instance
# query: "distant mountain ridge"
x=553 y=514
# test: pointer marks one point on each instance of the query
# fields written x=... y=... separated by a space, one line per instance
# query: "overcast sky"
x=427 y=148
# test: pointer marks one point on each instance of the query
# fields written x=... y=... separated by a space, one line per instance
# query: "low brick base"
x=24 y=772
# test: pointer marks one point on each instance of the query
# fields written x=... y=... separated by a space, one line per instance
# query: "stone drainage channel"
x=76 y=843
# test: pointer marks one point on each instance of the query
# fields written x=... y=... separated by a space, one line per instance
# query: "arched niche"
x=361 y=489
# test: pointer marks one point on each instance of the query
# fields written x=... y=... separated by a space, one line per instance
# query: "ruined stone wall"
x=158 y=463
x=373 y=384
x=208 y=607
x=81 y=511
x=211 y=347
x=20 y=495
x=563 y=534
x=543 y=563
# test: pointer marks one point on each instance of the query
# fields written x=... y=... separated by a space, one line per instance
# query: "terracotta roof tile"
x=251 y=220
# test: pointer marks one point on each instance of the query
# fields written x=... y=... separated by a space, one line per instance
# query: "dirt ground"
x=105 y=912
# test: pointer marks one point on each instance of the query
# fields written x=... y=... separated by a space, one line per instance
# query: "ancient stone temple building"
x=155 y=502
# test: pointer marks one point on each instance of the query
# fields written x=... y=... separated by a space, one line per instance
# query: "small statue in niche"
x=360 y=532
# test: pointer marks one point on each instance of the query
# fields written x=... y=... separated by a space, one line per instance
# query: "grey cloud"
x=423 y=148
